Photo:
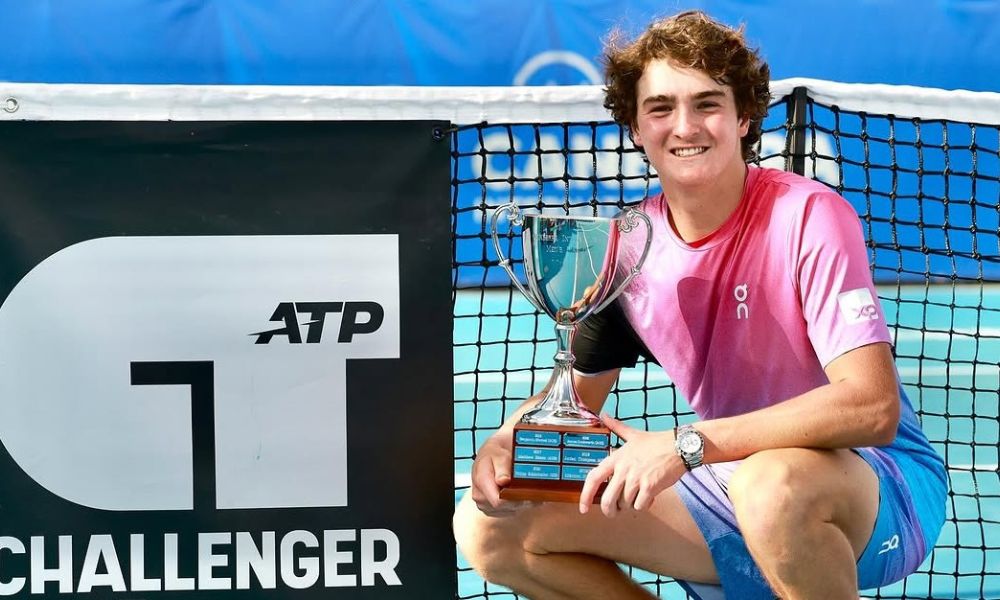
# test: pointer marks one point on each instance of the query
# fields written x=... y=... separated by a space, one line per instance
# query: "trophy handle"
x=516 y=219
x=627 y=223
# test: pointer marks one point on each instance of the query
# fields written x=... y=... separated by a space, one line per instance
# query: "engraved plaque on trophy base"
x=551 y=462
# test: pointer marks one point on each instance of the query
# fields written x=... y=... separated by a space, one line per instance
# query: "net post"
x=795 y=161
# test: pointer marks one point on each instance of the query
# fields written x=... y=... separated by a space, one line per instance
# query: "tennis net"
x=921 y=167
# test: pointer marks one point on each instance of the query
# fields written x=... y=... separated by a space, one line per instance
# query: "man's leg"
x=550 y=551
x=806 y=516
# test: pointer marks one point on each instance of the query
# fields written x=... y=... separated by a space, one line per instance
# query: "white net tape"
x=460 y=105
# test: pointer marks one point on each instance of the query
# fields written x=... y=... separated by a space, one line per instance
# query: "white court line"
x=978 y=468
x=464 y=479
x=963 y=369
x=909 y=335
x=658 y=378
x=543 y=376
x=905 y=334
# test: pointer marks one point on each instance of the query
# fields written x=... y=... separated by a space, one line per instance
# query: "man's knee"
x=493 y=546
x=771 y=495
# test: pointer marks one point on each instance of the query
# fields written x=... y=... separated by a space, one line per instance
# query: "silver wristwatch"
x=690 y=446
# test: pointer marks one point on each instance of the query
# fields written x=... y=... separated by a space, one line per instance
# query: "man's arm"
x=859 y=407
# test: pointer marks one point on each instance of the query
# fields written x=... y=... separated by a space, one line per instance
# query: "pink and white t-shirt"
x=751 y=316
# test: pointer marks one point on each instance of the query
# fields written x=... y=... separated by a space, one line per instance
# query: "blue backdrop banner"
x=947 y=43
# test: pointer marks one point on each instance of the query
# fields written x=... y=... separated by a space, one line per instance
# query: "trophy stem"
x=561 y=405
x=564 y=351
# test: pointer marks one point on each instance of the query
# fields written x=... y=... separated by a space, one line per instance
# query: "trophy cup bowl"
x=570 y=267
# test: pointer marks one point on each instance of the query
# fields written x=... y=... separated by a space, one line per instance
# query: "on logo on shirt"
x=742 y=293
x=858 y=306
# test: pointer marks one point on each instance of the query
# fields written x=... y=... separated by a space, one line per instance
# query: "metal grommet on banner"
x=439 y=133
x=10 y=105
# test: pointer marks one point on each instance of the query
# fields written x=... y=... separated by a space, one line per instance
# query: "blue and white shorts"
x=902 y=538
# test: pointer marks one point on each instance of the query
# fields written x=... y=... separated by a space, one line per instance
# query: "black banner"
x=225 y=360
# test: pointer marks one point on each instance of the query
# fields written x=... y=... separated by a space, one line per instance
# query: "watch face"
x=689 y=443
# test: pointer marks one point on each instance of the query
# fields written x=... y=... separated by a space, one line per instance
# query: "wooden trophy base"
x=551 y=462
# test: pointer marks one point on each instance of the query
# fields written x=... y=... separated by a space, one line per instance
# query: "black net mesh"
x=927 y=194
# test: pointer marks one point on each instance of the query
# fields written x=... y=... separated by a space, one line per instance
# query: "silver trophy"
x=570 y=267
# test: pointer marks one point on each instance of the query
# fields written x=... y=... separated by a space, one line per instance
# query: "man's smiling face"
x=688 y=125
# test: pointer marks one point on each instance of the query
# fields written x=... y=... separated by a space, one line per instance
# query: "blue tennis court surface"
x=948 y=348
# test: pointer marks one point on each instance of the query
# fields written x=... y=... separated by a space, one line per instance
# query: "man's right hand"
x=491 y=472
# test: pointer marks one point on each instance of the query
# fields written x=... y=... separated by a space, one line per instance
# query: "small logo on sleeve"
x=858 y=306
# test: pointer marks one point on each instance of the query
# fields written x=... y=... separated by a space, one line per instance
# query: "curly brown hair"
x=691 y=40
